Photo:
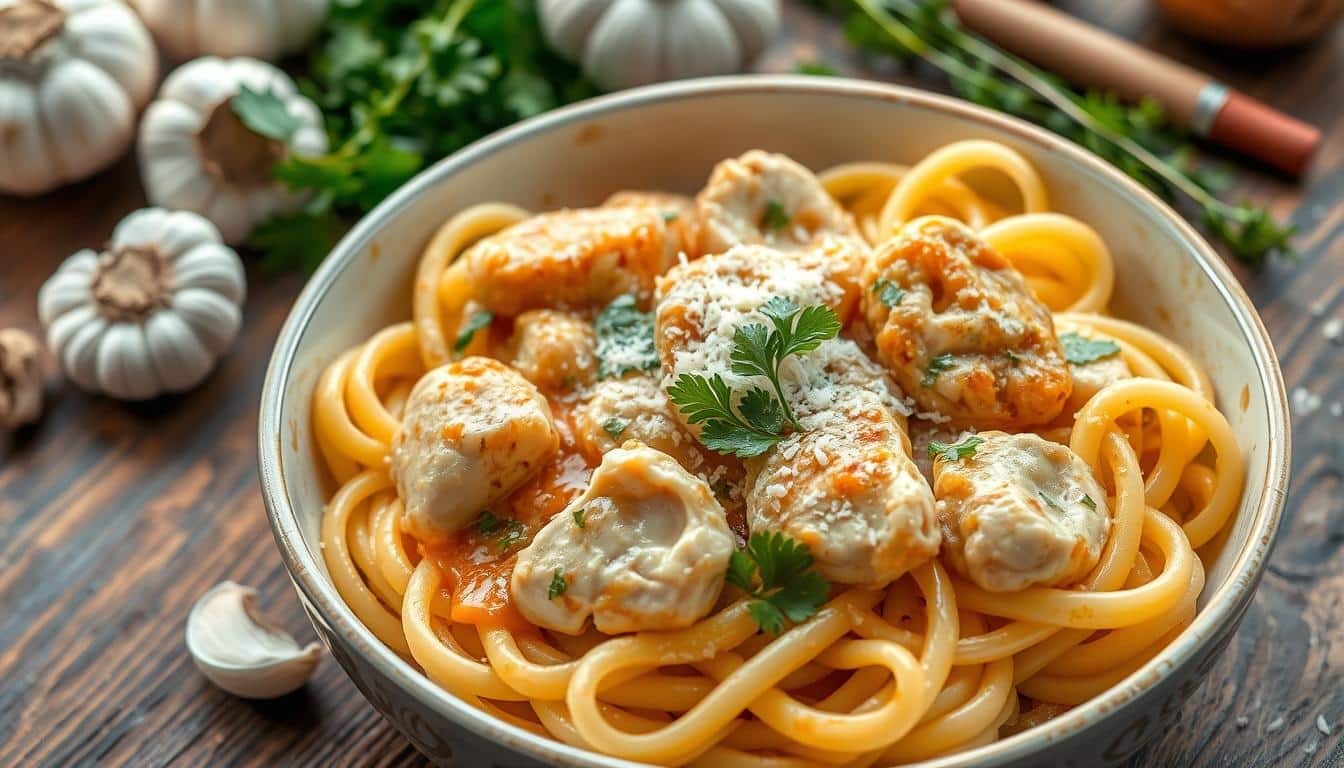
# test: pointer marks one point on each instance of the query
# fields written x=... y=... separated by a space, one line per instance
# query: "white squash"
x=623 y=43
x=197 y=154
x=263 y=29
x=149 y=315
x=73 y=76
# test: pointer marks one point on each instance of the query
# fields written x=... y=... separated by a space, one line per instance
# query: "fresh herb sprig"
x=776 y=572
x=402 y=83
x=1081 y=350
x=1136 y=139
x=760 y=417
x=963 y=449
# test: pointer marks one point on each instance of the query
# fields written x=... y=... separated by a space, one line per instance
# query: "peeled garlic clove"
x=240 y=651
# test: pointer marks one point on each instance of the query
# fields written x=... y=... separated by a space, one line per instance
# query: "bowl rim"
x=1224 y=607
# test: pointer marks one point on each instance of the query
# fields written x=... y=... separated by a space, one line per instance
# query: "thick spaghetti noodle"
x=928 y=665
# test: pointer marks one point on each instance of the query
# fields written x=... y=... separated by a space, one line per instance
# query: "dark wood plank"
x=114 y=517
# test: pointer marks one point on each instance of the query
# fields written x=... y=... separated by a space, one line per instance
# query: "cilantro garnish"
x=557 y=587
x=578 y=517
x=954 y=451
x=775 y=217
x=624 y=338
x=760 y=417
x=614 y=427
x=1080 y=350
x=889 y=293
x=776 y=572
x=265 y=112
x=474 y=323
x=937 y=365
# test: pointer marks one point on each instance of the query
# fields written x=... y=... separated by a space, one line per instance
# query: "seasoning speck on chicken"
x=557 y=351
x=847 y=488
x=471 y=432
x=967 y=338
x=634 y=407
x=768 y=199
x=571 y=259
x=1020 y=511
x=650 y=555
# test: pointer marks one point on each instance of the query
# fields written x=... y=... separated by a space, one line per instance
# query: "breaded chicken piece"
x=557 y=351
x=677 y=211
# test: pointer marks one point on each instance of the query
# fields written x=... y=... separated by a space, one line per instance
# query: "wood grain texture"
x=113 y=518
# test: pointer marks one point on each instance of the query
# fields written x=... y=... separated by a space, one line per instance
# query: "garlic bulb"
x=197 y=153
x=622 y=43
x=152 y=313
x=20 y=379
x=265 y=29
x=73 y=76
x=240 y=651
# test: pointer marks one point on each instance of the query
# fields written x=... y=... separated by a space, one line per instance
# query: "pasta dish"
x=848 y=469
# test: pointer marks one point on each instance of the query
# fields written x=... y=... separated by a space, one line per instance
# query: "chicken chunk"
x=555 y=350
x=768 y=199
x=677 y=211
x=702 y=304
x=1020 y=511
x=572 y=259
x=847 y=488
x=635 y=407
x=961 y=331
x=471 y=432
x=644 y=548
x=1090 y=378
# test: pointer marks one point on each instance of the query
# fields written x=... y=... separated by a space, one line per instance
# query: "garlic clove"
x=240 y=651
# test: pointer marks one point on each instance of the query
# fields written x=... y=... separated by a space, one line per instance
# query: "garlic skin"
x=152 y=313
x=197 y=155
x=623 y=43
x=263 y=29
x=237 y=649
x=20 y=379
x=73 y=76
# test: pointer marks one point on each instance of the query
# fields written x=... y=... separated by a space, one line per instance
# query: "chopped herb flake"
x=578 y=517
x=624 y=338
x=614 y=427
x=775 y=217
x=937 y=365
x=557 y=587
x=889 y=293
x=474 y=323
x=1088 y=502
x=1080 y=350
x=954 y=451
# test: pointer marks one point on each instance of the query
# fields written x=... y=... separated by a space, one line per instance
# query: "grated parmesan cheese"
x=1322 y=725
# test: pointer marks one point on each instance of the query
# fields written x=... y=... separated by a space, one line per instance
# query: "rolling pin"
x=1090 y=57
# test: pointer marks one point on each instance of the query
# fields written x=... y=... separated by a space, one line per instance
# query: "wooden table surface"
x=114 y=517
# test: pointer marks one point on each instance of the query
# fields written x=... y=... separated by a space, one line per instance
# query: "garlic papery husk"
x=152 y=313
x=73 y=76
x=265 y=29
x=20 y=379
x=240 y=651
x=198 y=154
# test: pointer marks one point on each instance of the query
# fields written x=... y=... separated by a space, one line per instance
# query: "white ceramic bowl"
x=668 y=137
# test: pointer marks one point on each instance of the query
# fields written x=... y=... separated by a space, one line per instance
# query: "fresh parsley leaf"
x=759 y=419
x=557 y=587
x=938 y=364
x=578 y=517
x=889 y=293
x=1049 y=502
x=708 y=402
x=624 y=338
x=670 y=216
x=1089 y=502
x=265 y=112
x=1080 y=350
x=775 y=216
x=788 y=588
x=474 y=323
x=954 y=451
x=614 y=427
x=506 y=531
